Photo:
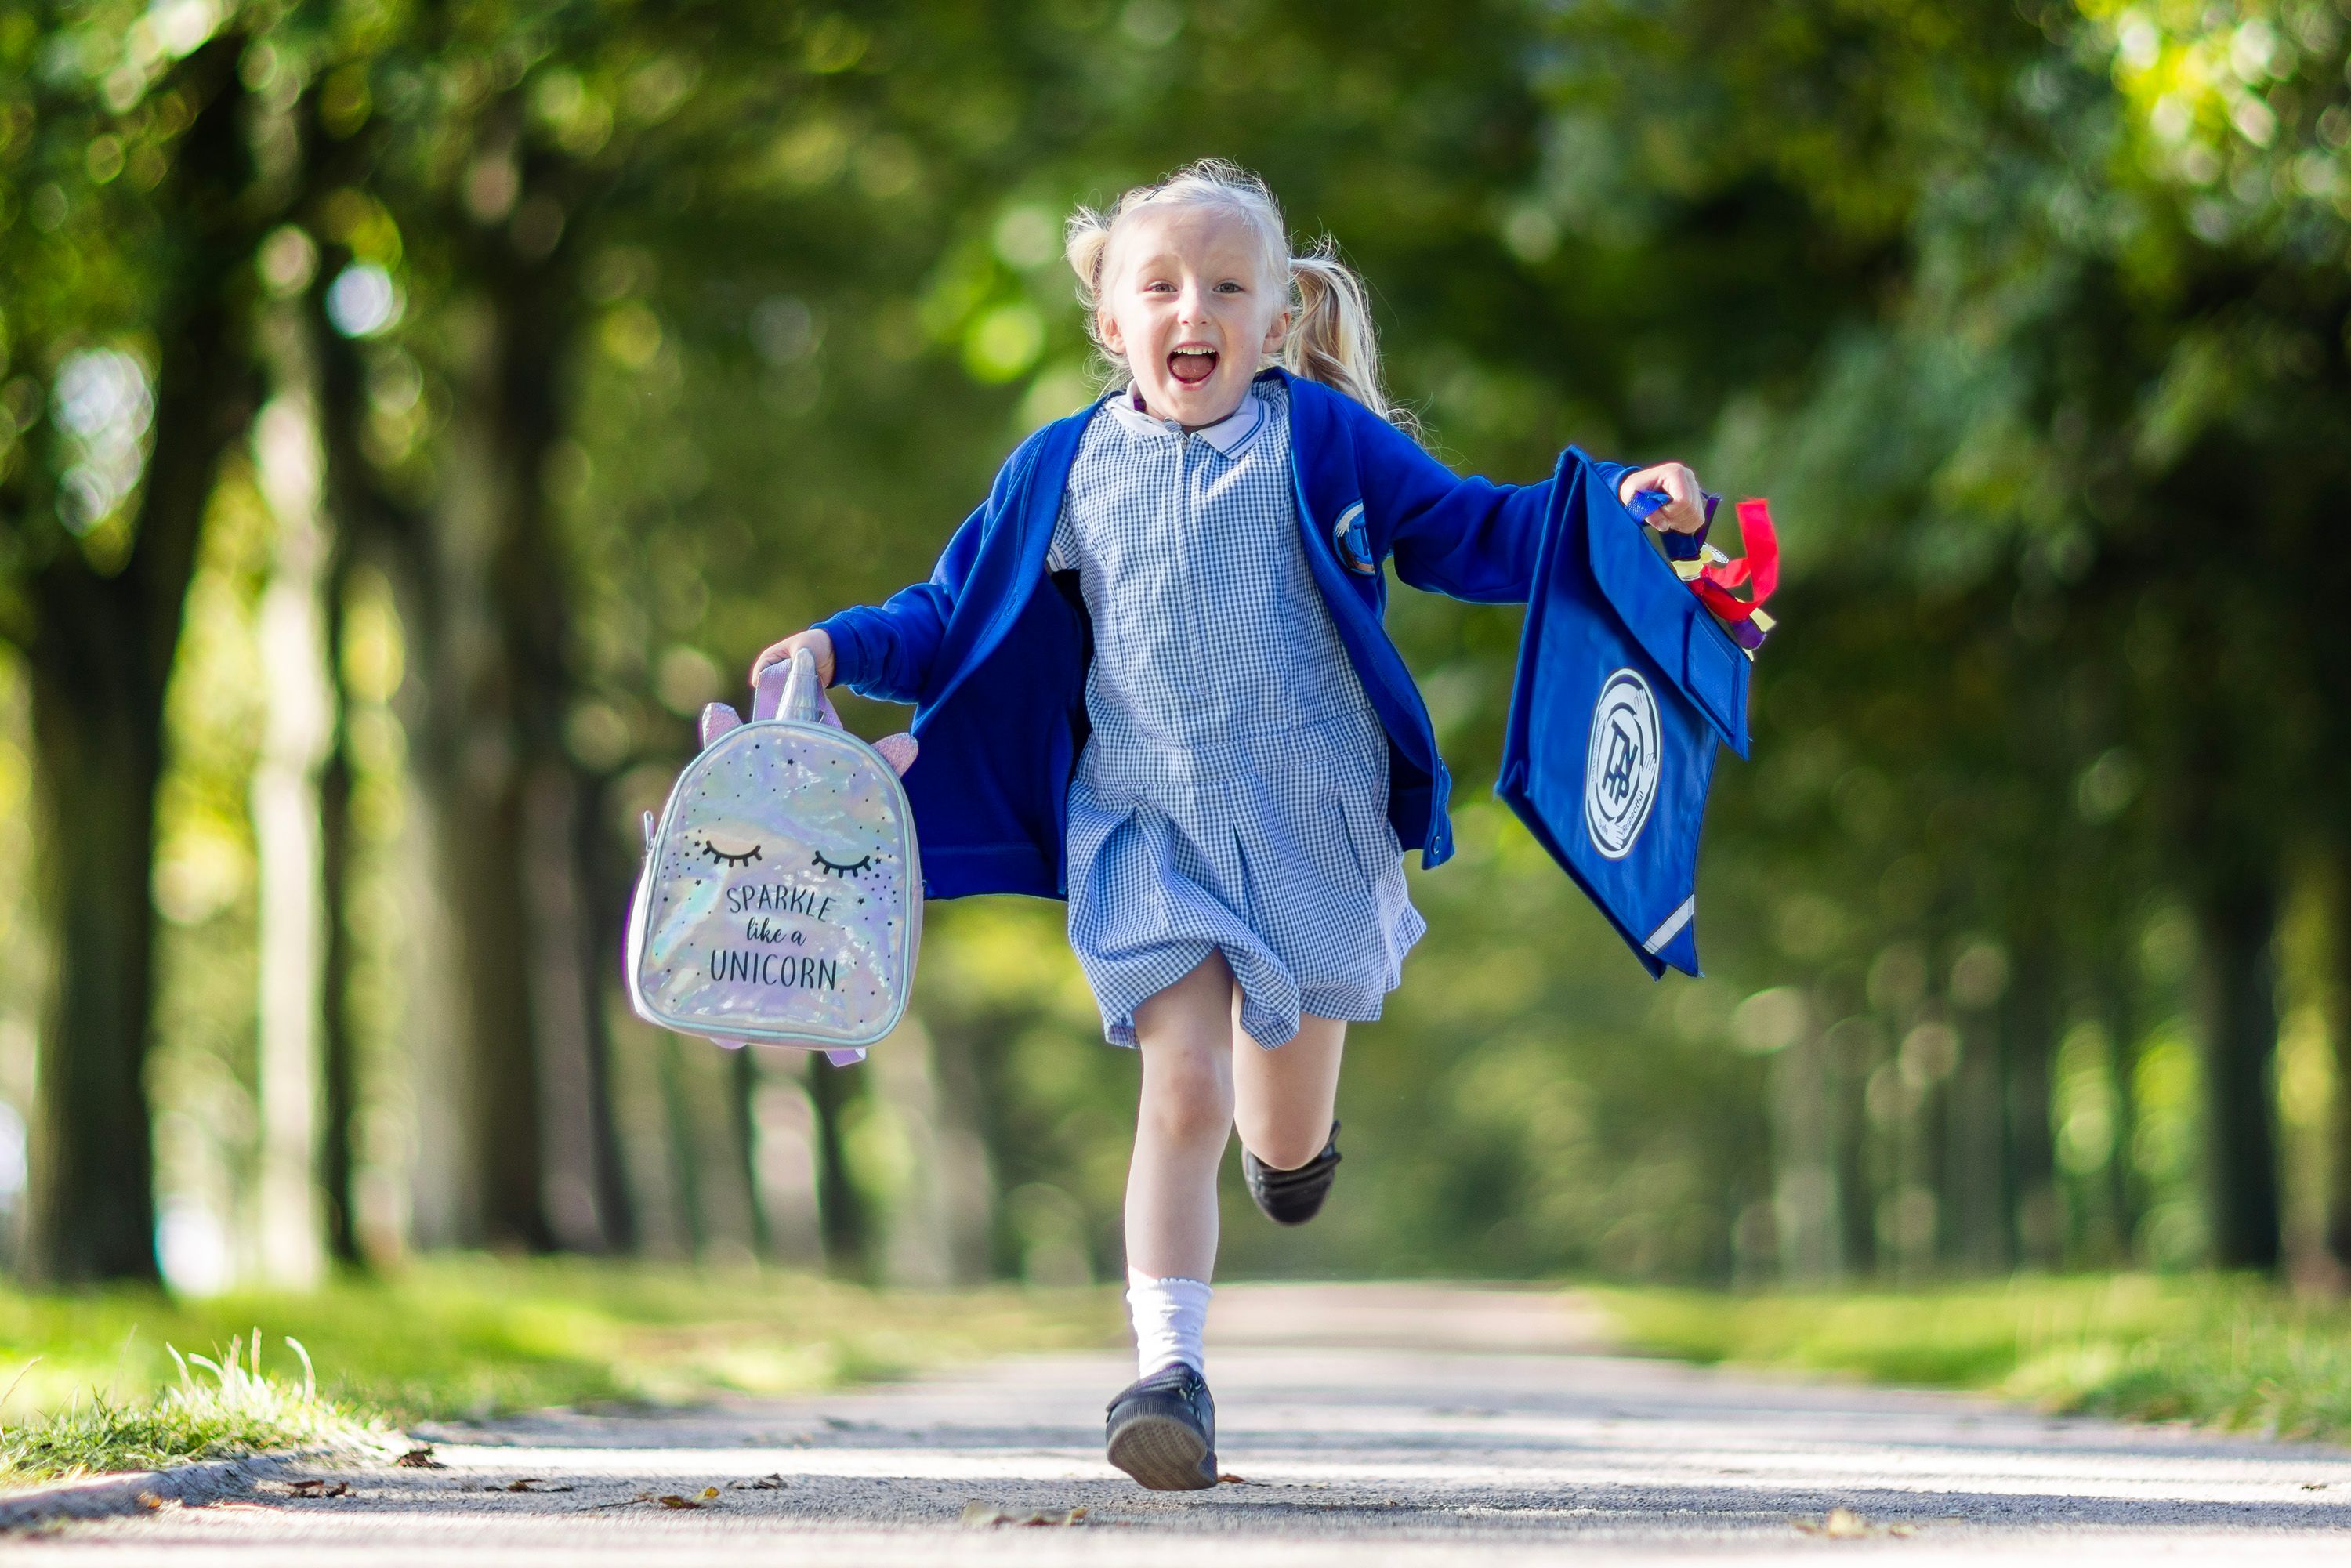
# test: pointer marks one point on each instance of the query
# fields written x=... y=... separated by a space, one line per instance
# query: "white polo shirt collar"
x=1227 y=435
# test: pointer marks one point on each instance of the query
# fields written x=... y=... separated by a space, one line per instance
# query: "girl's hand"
x=815 y=640
x=1684 y=508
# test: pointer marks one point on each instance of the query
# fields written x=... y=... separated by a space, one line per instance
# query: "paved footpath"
x=1366 y=1423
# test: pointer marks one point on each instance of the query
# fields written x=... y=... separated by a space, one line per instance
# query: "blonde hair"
x=1330 y=337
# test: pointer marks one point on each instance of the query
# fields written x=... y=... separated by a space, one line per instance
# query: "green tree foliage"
x=647 y=333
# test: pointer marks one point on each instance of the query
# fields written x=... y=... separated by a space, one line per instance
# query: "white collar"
x=1227 y=435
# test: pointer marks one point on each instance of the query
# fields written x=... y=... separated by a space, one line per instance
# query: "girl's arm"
x=1474 y=539
x=886 y=651
x=883 y=650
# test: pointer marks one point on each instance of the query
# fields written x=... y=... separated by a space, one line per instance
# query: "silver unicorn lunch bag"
x=782 y=899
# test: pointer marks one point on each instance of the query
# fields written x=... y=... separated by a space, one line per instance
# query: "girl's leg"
x=1162 y=1429
x=1187 y=1113
x=1284 y=1099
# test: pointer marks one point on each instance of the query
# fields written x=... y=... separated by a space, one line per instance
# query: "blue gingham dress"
x=1234 y=792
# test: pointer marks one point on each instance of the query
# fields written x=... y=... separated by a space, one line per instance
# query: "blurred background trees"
x=412 y=413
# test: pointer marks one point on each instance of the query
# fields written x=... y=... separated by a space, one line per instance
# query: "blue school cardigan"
x=993 y=651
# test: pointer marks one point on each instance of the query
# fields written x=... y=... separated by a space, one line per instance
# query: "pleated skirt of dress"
x=1270 y=848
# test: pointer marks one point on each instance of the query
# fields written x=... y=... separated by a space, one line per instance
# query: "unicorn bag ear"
x=782 y=899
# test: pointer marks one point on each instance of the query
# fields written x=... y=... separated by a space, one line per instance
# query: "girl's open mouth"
x=1192 y=366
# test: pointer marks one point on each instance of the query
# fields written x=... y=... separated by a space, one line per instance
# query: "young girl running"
x=1150 y=676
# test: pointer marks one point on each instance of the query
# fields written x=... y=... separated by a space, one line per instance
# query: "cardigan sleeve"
x=886 y=651
x=1468 y=538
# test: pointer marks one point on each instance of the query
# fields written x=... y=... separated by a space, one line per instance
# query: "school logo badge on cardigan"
x=1354 y=541
x=1625 y=687
x=781 y=896
x=1620 y=765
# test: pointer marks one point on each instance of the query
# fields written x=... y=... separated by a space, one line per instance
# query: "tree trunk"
x=1974 y=1151
x=100 y=656
x=96 y=762
x=607 y=874
x=339 y=1065
x=2120 y=1017
x=479 y=1162
x=742 y=1105
x=2028 y=1044
x=575 y=1147
x=536 y=311
x=839 y=1212
x=1852 y=1052
x=297 y=735
x=2237 y=921
x=784 y=1160
x=506 y=808
x=2338 y=1034
x=967 y=1168
x=1804 y=1162
x=916 y=1247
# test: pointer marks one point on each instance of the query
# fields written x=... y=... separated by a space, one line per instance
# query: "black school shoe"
x=1293 y=1198
x=1162 y=1430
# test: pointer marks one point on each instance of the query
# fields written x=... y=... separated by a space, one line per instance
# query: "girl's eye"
x=851 y=869
x=742 y=857
x=1228 y=286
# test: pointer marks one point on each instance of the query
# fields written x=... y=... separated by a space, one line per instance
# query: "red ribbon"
x=1758 y=569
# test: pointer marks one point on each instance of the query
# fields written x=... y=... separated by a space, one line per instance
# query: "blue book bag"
x=1625 y=686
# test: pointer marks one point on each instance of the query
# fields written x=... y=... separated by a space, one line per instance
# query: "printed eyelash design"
x=850 y=870
x=728 y=857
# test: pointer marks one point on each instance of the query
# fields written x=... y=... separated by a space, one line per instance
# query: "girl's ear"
x=1106 y=324
x=1274 y=335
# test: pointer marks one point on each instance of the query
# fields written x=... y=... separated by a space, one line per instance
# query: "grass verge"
x=2224 y=1351
x=103 y=1386
x=219 y=1409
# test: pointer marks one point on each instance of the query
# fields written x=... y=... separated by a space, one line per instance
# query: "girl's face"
x=1189 y=309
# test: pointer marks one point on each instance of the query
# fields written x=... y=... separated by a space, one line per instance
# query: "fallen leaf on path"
x=1844 y=1524
x=762 y=1483
x=150 y=1501
x=535 y=1484
x=978 y=1515
x=420 y=1458
x=1230 y=1479
x=667 y=1499
x=320 y=1488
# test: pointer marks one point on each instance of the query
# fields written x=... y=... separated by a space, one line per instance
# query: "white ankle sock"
x=1170 y=1317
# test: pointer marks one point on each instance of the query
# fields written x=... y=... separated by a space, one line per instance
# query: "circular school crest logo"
x=1354 y=537
x=1620 y=765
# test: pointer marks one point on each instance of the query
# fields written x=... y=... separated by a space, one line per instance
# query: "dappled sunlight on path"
x=1356 y=1417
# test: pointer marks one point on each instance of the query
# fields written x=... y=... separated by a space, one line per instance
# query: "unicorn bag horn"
x=782 y=899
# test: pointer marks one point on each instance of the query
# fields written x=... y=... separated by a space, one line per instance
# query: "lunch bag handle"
x=790 y=690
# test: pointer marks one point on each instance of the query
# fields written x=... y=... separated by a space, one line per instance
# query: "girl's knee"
x=1188 y=1096
x=1285 y=1144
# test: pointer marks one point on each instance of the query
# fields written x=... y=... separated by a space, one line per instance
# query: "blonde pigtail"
x=1332 y=338
x=1087 y=246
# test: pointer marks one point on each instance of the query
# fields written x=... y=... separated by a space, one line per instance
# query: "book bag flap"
x=1663 y=615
